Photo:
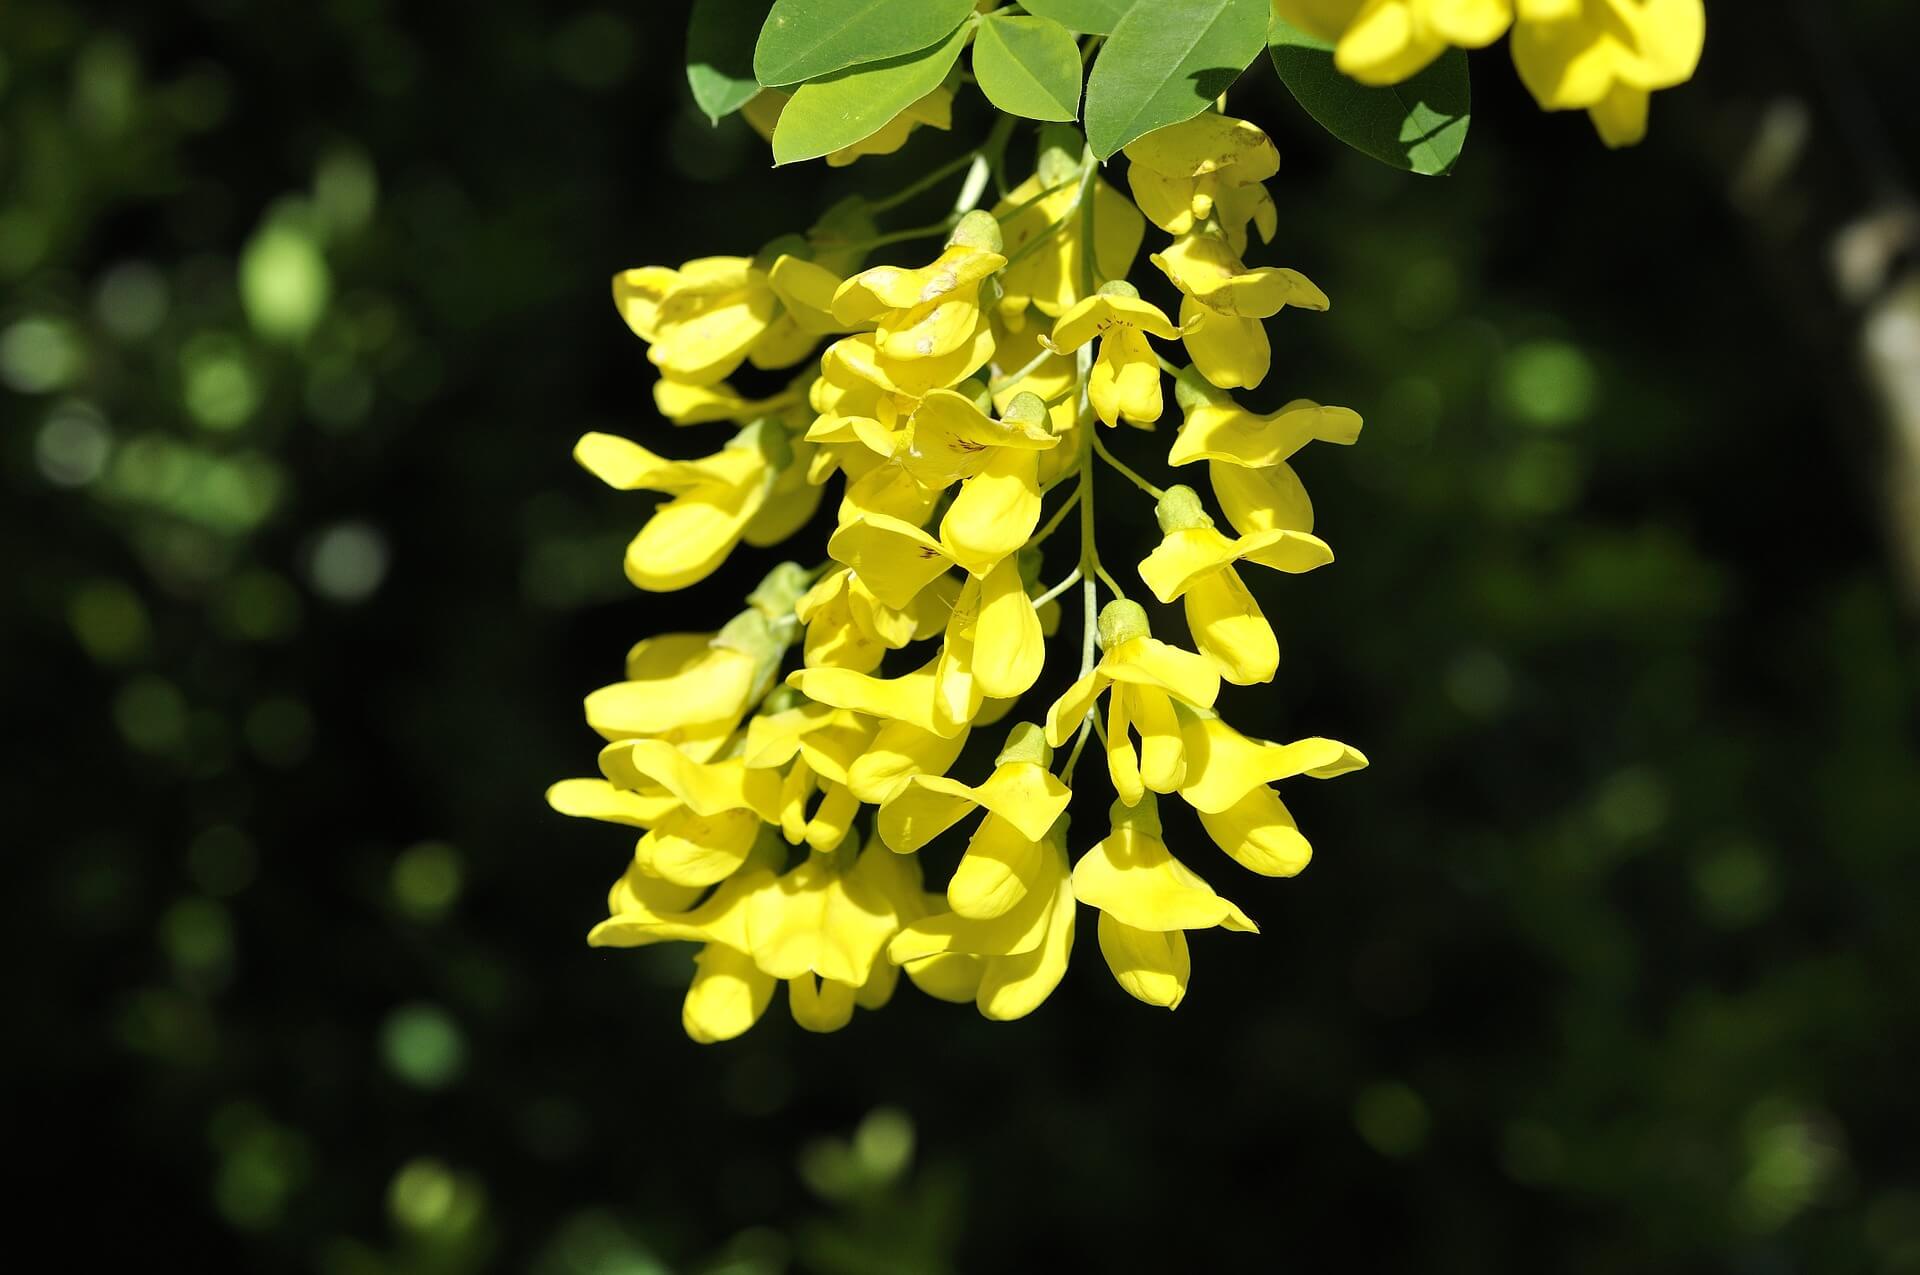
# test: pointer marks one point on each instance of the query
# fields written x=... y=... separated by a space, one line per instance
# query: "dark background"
x=1608 y=963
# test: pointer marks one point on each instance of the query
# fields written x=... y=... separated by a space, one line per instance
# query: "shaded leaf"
x=806 y=39
x=1419 y=125
x=720 y=37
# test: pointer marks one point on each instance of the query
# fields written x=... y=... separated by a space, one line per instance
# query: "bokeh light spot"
x=40 y=354
x=1550 y=384
x=1391 y=1118
x=349 y=561
x=74 y=444
x=427 y=879
x=423 y=1045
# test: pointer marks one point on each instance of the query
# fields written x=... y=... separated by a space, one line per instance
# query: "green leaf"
x=806 y=39
x=1092 y=17
x=1028 y=67
x=1166 y=62
x=720 y=54
x=840 y=109
x=1419 y=124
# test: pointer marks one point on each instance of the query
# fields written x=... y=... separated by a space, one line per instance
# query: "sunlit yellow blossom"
x=676 y=682
x=1044 y=234
x=1606 y=56
x=1022 y=799
x=714 y=500
x=1218 y=429
x=1194 y=562
x=1209 y=166
x=925 y=313
x=706 y=318
x=911 y=698
x=1222 y=305
x=1017 y=957
x=848 y=627
x=684 y=403
x=824 y=926
x=1125 y=379
x=1146 y=677
x=1229 y=780
x=1148 y=900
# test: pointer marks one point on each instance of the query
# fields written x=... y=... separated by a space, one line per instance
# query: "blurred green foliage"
x=1608 y=963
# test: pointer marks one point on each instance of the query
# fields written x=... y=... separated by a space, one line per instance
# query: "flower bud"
x=1122 y=621
x=977 y=229
x=1025 y=742
x=1180 y=510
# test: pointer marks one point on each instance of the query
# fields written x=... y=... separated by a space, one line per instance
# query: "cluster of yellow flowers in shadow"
x=956 y=402
x=1605 y=57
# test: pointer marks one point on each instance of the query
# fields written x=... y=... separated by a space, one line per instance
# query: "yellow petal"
x=691 y=535
x=820 y=1005
x=807 y=291
x=1123 y=760
x=994 y=513
x=707 y=787
x=598 y=799
x=1150 y=966
x=899 y=751
x=1228 y=432
x=1223 y=765
x=1162 y=754
x=1231 y=630
x=1014 y=986
x=1125 y=381
x=1183 y=556
x=880 y=289
x=1000 y=866
x=1067 y=712
x=1009 y=648
x=1132 y=875
x=1259 y=833
x=727 y=996
x=1261 y=499
x=893 y=558
x=1104 y=311
x=920 y=809
x=1146 y=661
x=950 y=976
x=1208 y=143
x=689 y=848
x=908 y=698
x=637 y=294
x=1232 y=353
x=1385 y=45
x=1167 y=201
x=674 y=680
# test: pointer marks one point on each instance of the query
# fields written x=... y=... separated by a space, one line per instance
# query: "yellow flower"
x=1022 y=798
x=1607 y=56
x=1222 y=305
x=1211 y=165
x=729 y=992
x=1195 y=562
x=1218 y=429
x=998 y=506
x=949 y=438
x=684 y=403
x=1229 y=782
x=683 y=687
x=1125 y=380
x=817 y=744
x=1006 y=965
x=706 y=318
x=911 y=698
x=823 y=927
x=1042 y=230
x=715 y=499
x=930 y=312
x=1146 y=677
x=1148 y=900
x=847 y=627
x=1387 y=41
x=899 y=751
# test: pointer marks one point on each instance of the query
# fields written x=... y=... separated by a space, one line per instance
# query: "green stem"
x=1073 y=578
x=1059 y=515
x=1125 y=471
x=1014 y=378
x=926 y=183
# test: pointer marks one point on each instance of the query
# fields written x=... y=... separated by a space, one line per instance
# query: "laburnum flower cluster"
x=956 y=402
x=1604 y=57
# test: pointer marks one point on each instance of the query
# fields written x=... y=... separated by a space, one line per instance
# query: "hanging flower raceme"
x=836 y=785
